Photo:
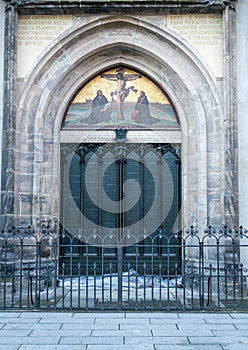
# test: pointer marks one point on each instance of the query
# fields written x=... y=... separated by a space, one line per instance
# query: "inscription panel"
x=205 y=33
x=34 y=34
x=171 y=136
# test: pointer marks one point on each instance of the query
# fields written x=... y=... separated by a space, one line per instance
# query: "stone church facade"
x=194 y=51
x=189 y=50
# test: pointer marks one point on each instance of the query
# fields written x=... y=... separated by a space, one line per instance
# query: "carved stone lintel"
x=127 y=4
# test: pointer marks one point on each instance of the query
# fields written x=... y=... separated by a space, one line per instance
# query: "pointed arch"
x=86 y=50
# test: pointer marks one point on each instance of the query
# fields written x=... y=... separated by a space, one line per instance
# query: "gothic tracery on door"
x=115 y=200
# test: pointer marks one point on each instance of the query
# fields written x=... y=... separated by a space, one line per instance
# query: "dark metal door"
x=120 y=203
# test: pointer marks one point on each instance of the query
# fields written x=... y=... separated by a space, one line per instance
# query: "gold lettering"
x=40 y=30
x=198 y=29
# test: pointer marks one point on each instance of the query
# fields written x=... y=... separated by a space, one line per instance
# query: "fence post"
x=201 y=276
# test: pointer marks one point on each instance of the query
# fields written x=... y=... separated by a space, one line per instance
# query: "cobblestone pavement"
x=117 y=331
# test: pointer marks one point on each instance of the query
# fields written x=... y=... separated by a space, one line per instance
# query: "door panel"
x=116 y=194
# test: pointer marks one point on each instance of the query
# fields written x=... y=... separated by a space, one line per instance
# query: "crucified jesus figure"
x=122 y=91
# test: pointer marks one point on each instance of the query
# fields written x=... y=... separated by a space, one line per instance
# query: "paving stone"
x=242 y=317
x=204 y=315
x=20 y=320
x=28 y=340
x=235 y=333
x=121 y=347
x=239 y=315
x=105 y=315
x=182 y=333
x=100 y=326
x=234 y=346
x=122 y=333
x=10 y=347
x=191 y=315
x=14 y=332
x=224 y=321
x=51 y=347
x=156 y=340
x=68 y=320
x=219 y=318
x=188 y=347
x=218 y=340
x=187 y=325
x=178 y=321
x=242 y=325
x=168 y=326
x=123 y=321
x=60 y=332
x=152 y=315
x=9 y=314
x=91 y=340
x=46 y=314
x=31 y=326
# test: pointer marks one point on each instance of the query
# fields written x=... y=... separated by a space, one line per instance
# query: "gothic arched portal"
x=160 y=55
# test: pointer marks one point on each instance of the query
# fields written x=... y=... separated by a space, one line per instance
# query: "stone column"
x=230 y=127
x=242 y=100
x=9 y=112
x=1 y=79
x=230 y=119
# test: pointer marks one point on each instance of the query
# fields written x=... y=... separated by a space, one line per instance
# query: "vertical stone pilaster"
x=9 y=108
x=2 y=16
x=230 y=119
x=242 y=101
x=231 y=214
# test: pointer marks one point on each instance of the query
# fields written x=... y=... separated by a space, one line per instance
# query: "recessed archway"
x=86 y=50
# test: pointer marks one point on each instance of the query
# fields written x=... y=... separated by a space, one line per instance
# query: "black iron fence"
x=183 y=271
